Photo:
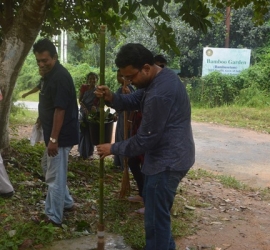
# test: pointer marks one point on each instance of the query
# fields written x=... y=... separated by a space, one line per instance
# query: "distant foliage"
x=259 y=73
x=213 y=90
x=253 y=97
x=244 y=33
x=250 y=88
x=79 y=72
x=29 y=76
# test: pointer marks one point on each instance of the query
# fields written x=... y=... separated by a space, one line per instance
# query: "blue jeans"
x=158 y=193
x=55 y=171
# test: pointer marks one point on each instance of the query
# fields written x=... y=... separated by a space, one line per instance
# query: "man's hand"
x=52 y=149
x=126 y=90
x=38 y=122
x=104 y=91
x=104 y=150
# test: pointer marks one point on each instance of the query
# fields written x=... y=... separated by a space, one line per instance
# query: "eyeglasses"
x=130 y=77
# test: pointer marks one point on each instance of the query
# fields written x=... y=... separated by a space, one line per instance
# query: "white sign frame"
x=225 y=60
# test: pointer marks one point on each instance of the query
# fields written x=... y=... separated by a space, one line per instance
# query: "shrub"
x=213 y=90
x=258 y=74
x=253 y=97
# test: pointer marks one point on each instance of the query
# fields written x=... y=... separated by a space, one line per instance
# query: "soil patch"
x=231 y=219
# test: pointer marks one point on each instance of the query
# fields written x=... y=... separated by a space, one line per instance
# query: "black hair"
x=160 y=58
x=44 y=44
x=134 y=54
x=91 y=74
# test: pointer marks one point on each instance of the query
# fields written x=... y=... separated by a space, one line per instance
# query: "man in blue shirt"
x=164 y=136
x=58 y=114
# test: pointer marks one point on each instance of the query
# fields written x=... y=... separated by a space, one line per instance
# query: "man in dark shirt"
x=165 y=136
x=58 y=114
x=160 y=60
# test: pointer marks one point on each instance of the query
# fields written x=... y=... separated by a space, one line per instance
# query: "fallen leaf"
x=216 y=223
x=190 y=207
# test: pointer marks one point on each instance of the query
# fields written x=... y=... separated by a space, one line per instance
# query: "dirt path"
x=234 y=220
x=241 y=153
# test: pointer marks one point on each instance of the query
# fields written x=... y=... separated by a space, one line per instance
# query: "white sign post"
x=226 y=61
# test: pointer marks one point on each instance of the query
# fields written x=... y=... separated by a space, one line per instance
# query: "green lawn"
x=30 y=98
x=23 y=117
x=257 y=119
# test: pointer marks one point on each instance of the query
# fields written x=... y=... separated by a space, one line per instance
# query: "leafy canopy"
x=78 y=15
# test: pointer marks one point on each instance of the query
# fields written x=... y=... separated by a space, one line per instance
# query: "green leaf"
x=152 y=14
x=220 y=6
x=160 y=11
x=134 y=7
x=147 y=2
x=161 y=3
x=115 y=6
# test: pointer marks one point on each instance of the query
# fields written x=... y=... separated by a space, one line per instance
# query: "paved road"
x=241 y=153
x=28 y=105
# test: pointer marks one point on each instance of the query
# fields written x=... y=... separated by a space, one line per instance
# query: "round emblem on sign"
x=209 y=52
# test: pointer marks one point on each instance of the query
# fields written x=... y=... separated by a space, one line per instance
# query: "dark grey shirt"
x=165 y=134
x=58 y=91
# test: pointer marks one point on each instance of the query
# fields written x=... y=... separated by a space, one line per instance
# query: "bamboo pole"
x=101 y=227
x=125 y=187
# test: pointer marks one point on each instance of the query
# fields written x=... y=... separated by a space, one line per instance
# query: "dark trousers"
x=134 y=164
x=158 y=195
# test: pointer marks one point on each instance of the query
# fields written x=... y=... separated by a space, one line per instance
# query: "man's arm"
x=34 y=90
x=58 y=119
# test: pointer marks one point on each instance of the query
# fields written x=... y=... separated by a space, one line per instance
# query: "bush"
x=213 y=90
x=253 y=97
x=259 y=74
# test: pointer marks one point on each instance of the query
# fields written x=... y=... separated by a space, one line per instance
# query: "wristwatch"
x=53 y=140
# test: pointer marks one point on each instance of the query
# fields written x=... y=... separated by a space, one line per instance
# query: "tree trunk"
x=16 y=44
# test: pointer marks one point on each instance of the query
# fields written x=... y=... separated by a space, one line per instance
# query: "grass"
x=22 y=116
x=31 y=98
x=231 y=182
x=226 y=181
x=257 y=119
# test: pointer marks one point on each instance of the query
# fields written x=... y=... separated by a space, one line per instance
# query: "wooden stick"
x=125 y=187
x=100 y=232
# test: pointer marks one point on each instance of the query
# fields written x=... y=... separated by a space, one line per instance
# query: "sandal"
x=140 y=211
x=70 y=209
x=136 y=198
x=46 y=220
x=7 y=195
